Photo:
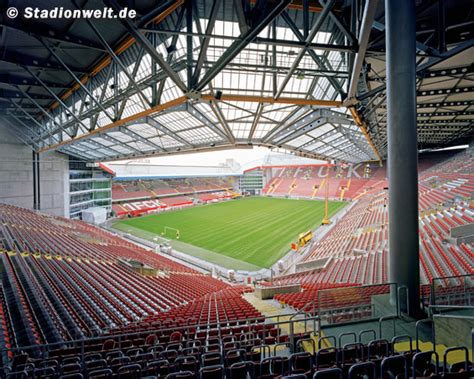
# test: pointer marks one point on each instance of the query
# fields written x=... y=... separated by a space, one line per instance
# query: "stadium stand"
x=142 y=196
x=142 y=189
x=64 y=280
x=72 y=258
x=357 y=245
x=283 y=288
x=346 y=182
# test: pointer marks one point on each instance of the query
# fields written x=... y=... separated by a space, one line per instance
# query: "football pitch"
x=241 y=234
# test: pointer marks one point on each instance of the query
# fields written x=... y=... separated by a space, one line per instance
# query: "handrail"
x=367 y=331
x=123 y=336
x=387 y=317
x=353 y=334
x=464 y=277
x=450 y=350
x=443 y=306
x=452 y=276
x=401 y=337
x=329 y=338
x=324 y=290
x=303 y=310
x=453 y=316
x=422 y=356
x=418 y=323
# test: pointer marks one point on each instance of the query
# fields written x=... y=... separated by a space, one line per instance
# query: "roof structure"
x=302 y=75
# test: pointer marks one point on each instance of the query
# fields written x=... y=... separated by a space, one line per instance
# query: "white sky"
x=245 y=157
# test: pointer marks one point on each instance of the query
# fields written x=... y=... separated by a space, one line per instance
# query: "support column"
x=35 y=195
x=404 y=263
x=38 y=178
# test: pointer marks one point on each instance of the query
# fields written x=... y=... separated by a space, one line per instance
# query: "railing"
x=418 y=326
x=445 y=292
x=365 y=310
x=83 y=346
x=385 y=318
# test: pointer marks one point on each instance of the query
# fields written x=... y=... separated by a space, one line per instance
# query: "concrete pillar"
x=402 y=150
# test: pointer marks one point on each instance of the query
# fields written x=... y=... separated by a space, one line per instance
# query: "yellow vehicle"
x=304 y=238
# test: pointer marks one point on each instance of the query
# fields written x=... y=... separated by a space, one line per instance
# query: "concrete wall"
x=54 y=176
x=16 y=171
x=463 y=234
x=266 y=293
x=313 y=265
x=455 y=330
x=16 y=176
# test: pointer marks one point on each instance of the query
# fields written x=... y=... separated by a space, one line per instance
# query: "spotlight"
x=218 y=95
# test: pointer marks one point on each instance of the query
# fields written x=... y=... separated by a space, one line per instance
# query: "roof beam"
x=157 y=125
x=422 y=69
x=311 y=53
x=117 y=60
x=452 y=71
x=76 y=79
x=271 y=100
x=444 y=91
x=119 y=143
x=237 y=46
x=23 y=81
x=73 y=114
x=121 y=122
x=308 y=126
x=444 y=114
x=149 y=48
x=314 y=30
x=240 y=13
x=47 y=133
x=196 y=113
x=366 y=28
x=27 y=139
x=158 y=91
x=308 y=118
x=205 y=41
x=164 y=9
x=37 y=29
x=19 y=59
x=255 y=122
x=220 y=116
x=311 y=45
x=140 y=138
x=71 y=150
x=444 y=104
x=9 y=94
x=129 y=41
x=104 y=147
x=363 y=127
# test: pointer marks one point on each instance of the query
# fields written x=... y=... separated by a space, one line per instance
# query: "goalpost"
x=166 y=228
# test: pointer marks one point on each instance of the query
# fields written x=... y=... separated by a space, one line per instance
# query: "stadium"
x=236 y=189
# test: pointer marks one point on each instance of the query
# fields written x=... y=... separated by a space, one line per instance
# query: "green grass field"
x=256 y=231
